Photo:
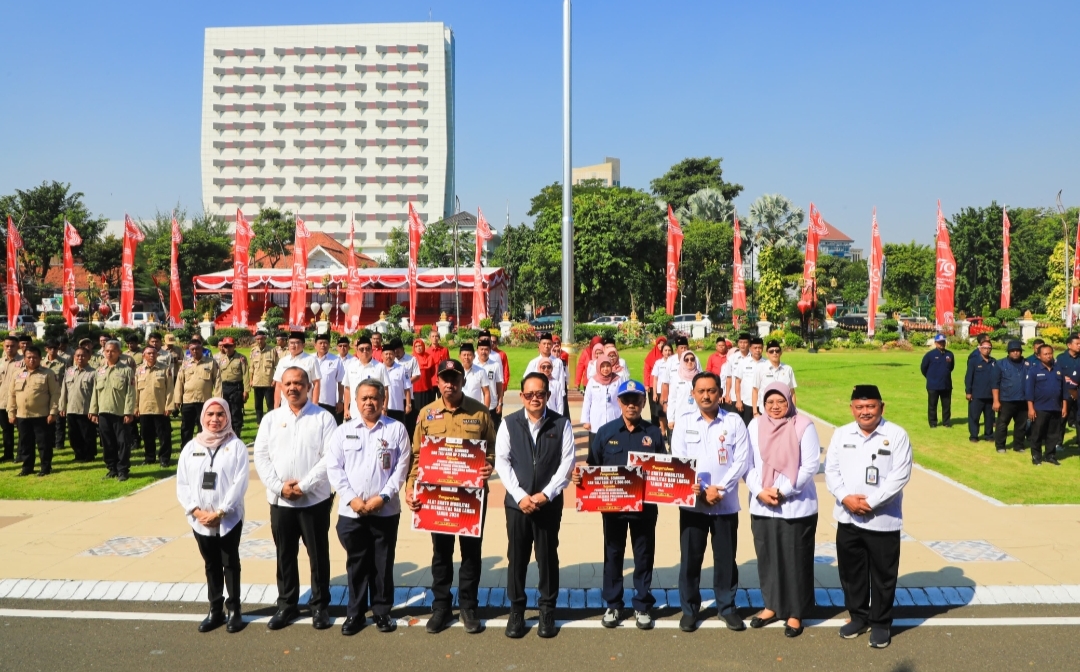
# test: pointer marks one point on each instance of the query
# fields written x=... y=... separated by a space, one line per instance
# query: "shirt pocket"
x=204 y=374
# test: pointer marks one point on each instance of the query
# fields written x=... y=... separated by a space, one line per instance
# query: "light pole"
x=568 y=205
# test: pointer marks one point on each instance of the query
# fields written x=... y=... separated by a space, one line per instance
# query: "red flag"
x=176 y=302
x=71 y=239
x=738 y=282
x=416 y=231
x=354 y=296
x=946 y=274
x=14 y=299
x=299 y=294
x=814 y=230
x=875 y=276
x=1006 y=274
x=133 y=235
x=674 y=255
x=1075 y=281
x=480 y=301
x=244 y=235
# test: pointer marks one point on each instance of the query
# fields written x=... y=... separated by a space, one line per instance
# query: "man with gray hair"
x=112 y=408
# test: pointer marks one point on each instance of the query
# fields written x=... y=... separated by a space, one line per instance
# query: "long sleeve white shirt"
x=364 y=461
x=600 y=404
x=850 y=454
x=722 y=451
x=800 y=497
x=291 y=446
x=357 y=372
x=493 y=368
x=230 y=463
x=680 y=399
x=504 y=467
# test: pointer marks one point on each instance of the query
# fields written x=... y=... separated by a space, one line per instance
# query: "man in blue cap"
x=611 y=445
x=937 y=367
x=1009 y=401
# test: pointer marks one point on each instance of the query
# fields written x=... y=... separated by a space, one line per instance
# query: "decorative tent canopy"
x=372 y=279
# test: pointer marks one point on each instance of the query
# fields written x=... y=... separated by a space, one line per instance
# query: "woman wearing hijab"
x=656 y=378
x=783 y=509
x=600 y=405
x=581 y=378
x=680 y=391
x=424 y=386
x=618 y=364
x=211 y=480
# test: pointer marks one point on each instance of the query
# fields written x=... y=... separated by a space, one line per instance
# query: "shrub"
x=190 y=318
x=1053 y=334
x=487 y=323
x=242 y=336
x=777 y=334
x=583 y=333
x=992 y=322
x=888 y=337
x=659 y=321
x=1008 y=314
x=522 y=332
x=918 y=338
x=425 y=331
x=55 y=326
x=465 y=334
x=890 y=325
x=857 y=338
x=792 y=340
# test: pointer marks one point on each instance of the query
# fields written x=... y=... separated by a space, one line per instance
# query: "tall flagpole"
x=568 y=206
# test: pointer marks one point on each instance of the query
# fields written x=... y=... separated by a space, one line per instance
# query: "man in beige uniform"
x=176 y=359
x=56 y=362
x=235 y=382
x=32 y=403
x=153 y=400
x=112 y=407
x=10 y=363
x=76 y=388
x=264 y=361
x=198 y=381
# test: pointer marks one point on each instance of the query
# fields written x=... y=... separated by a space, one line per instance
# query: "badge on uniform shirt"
x=432 y=415
x=884 y=452
x=384 y=459
x=209 y=480
x=885 y=442
x=646 y=441
x=871 y=475
x=721 y=455
x=23 y=375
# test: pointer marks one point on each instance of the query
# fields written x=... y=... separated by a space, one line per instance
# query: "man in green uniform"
x=235 y=381
x=75 y=391
x=112 y=407
x=264 y=361
x=56 y=362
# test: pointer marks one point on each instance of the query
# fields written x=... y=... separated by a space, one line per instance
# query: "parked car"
x=609 y=320
x=545 y=322
x=683 y=323
x=138 y=319
x=22 y=323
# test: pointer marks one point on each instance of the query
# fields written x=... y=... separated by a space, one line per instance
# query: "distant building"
x=608 y=171
x=835 y=242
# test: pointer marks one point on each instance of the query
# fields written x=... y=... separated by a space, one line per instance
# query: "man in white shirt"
x=332 y=374
x=296 y=357
x=744 y=376
x=770 y=371
x=359 y=369
x=742 y=349
x=496 y=383
x=343 y=350
x=289 y=451
x=558 y=376
x=412 y=367
x=367 y=462
x=476 y=383
x=399 y=388
x=867 y=466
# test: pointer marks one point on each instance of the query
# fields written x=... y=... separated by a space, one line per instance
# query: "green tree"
x=274 y=233
x=772 y=301
x=776 y=221
x=512 y=254
x=690 y=176
x=909 y=273
x=103 y=257
x=396 y=251
x=207 y=246
x=851 y=280
x=1055 y=299
x=436 y=247
x=706 y=263
x=39 y=215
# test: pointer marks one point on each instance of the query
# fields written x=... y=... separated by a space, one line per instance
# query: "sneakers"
x=853 y=629
x=880 y=638
x=470 y=621
x=643 y=620
x=515 y=625
x=440 y=618
x=611 y=618
x=733 y=622
x=688 y=622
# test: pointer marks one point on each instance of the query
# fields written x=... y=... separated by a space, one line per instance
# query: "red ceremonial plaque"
x=610 y=489
x=449 y=510
x=449 y=461
x=668 y=479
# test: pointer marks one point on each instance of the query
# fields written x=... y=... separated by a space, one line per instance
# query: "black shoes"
x=320 y=620
x=354 y=624
x=385 y=623
x=853 y=629
x=880 y=638
x=758 y=622
x=547 y=628
x=733 y=622
x=792 y=632
x=470 y=621
x=234 y=622
x=688 y=622
x=122 y=477
x=1052 y=459
x=440 y=618
x=515 y=625
x=25 y=473
x=111 y=474
x=283 y=617
x=214 y=620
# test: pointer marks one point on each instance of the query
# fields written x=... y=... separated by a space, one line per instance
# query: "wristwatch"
x=220 y=514
x=385 y=498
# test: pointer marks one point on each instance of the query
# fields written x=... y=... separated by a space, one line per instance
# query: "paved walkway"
x=958 y=548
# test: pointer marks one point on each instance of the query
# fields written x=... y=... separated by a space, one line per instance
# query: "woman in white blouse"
x=680 y=388
x=600 y=405
x=211 y=480
x=783 y=508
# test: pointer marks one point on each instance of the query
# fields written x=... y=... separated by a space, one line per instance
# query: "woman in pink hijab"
x=783 y=508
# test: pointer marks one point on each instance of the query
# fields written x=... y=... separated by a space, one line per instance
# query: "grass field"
x=825 y=381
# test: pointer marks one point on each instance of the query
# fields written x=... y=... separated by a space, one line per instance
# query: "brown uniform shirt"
x=34 y=394
x=9 y=367
x=57 y=366
x=263 y=363
x=76 y=389
x=196 y=382
x=153 y=389
x=471 y=420
x=234 y=370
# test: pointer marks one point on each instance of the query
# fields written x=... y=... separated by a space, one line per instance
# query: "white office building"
x=329 y=122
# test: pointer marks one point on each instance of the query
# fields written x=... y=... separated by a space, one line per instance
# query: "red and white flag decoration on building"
x=738 y=282
x=416 y=232
x=354 y=296
x=814 y=230
x=1006 y=274
x=1075 y=299
x=176 y=301
x=674 y=256
x=298 y=294
x=133 y=235
x=946 y=275
x=480 y=298
x=241 y=244
x=71 y=239
x=14 y=298
x=876 y=258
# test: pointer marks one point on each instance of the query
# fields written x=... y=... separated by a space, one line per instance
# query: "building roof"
x=318 y=239
x=834 y=234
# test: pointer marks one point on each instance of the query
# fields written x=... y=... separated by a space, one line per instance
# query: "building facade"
x=607 y=172
x=331 y=123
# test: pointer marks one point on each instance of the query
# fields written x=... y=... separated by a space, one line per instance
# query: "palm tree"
x=776 y=221
x=707 y=205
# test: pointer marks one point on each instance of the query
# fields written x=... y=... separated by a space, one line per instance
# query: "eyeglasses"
x=363 y=348
x=688 y=360
x=773 y=351
x=529 y=396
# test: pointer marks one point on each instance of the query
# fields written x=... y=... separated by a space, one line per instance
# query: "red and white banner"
x=480 y=295
x=738 y=282
x=449 y=510
x=1006 y=274
x=416 y=232
x=176 y=301
x=814 y=230
x=875 y=275
x=242 y=242
x=299 y=294
x=354 y=296
x=71 y=239
x=1069 y=319
x=14 y=298
x=946 y=275
x=133 y=235
x=674 y=256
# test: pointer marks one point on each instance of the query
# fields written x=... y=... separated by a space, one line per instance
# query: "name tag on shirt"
x=692 y=436
x=871 y=475
x=209 y=480
x=884 y=452
x=849 y=445
x=198 y=454
x=470 y=422
x=384 y=459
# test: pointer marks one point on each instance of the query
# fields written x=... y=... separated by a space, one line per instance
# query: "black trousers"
x=695 y=529
x=1044 y=432
x=868 y=564
x=397 y=415
x=642 y=528
x=190 y=422
x=932 y=398
x=83 y=436
x=332 y=410
x=496 y=418
x=263 y=395
x=116 y=442
x=290 y=524
x=442 y=568
x=524 y=533
x=980 y=409
x=370 y=543
x=234 y=394
x=221 y=557
x=59 y=433
x=747 y=413
x=1015 y=412
x=36 y=435
x=8 y=430
x=156 y=431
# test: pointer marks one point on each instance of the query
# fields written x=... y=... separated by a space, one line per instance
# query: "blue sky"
x=850 y=105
